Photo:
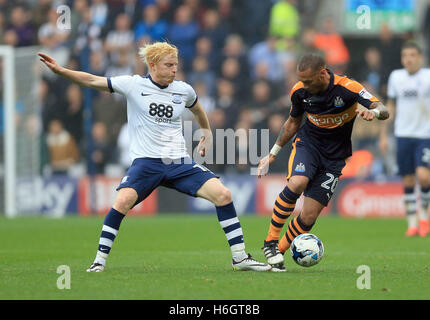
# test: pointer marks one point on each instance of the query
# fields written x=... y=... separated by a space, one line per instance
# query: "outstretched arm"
x=376 y=110
x=83 y=79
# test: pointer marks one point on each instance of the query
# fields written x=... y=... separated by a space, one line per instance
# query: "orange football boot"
x=412 y=231
x=423 y=228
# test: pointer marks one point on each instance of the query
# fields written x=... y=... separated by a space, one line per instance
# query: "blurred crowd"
x=240 y=57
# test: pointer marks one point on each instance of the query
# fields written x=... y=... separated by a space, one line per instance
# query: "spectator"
x=426 y=28
x=151 y=26
x=227 y=101
x=102 y=151
x=88 y=35
x=260 y=103
x=122 y=66
x=63 y=150
x=111 y=112
x=213 y=29
x=331 y=43
x=38 y=12
x=390 y=48
x=166 y=9
x=133 y=9
x=372 y=72
x=183 y=34
x=97 y=63
x=119 y=39
x=230 y=70
x=228 y=14
x=204 y=48
x=255 y=27
x=53 y=41
x=2 y=27
x=21 y=26
x=234 y=48
x=49 y=35
x=73 y=117
x=77 y=13
x=201 y=73
x=284 y=19
x=99 y=12
x=198 y=9
x=265 y=52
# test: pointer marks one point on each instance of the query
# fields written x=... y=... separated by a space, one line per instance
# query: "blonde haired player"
x=155 y=103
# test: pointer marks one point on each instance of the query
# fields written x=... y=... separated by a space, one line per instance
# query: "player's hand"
x=205 y=143
x=365 y=114
x=263 y=165
x=49 y=62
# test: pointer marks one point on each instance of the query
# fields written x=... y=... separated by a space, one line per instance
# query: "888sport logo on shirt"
x=161 y=112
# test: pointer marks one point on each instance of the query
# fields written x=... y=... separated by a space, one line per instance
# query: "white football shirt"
x=154 y=115
x=412 y=94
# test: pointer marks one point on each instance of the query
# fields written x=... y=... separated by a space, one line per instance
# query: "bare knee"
x=298 y=184
x=222 y=197
x=423 y=176
x=125 y=200
x=308 y=218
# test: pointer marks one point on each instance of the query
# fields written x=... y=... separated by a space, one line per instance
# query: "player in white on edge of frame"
x=154 y=106
x=409 y=95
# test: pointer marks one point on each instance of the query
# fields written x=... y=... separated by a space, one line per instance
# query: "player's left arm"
x=203 y=121
x=374 y=108
x=379 y=110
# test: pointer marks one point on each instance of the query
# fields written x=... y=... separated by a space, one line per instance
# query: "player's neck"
x=326 y=83
x=157 y=81
x=412 y=72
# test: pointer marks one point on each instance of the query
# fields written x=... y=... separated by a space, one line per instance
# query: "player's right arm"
x=83 y=79
x=288 y=131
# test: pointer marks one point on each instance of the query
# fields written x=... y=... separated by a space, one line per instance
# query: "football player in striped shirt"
x=155 y=103
x=321 y=148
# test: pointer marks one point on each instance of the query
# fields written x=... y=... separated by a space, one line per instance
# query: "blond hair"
x=154 y=52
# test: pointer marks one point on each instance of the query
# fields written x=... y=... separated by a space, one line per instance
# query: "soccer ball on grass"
x=307 y=250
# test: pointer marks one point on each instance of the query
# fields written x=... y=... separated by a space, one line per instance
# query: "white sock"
x=422 y=214
x=238 y=252
x=101 y=258
x=412 y=220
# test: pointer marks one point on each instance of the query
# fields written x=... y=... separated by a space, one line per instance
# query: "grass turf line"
x=187 y=257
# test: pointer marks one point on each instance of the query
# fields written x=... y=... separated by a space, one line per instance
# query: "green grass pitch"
x=186 y=257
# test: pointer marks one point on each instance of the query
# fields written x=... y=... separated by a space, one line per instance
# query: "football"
x=307 y=250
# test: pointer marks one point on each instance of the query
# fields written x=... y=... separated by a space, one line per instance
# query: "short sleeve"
x=296 y=105
x=190 y=96
x=363 y=97
x=120 y=84
x=391 y=89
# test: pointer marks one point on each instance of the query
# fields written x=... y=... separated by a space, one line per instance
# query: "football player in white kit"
x=409 y=96
x=157 y=147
